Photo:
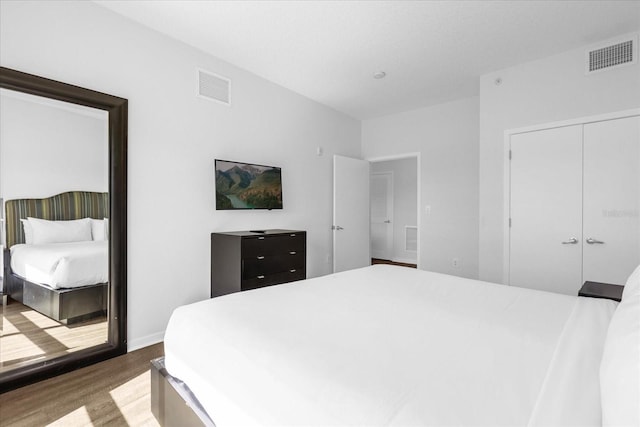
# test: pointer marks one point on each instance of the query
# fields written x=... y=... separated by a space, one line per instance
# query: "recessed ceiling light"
x=379 y=75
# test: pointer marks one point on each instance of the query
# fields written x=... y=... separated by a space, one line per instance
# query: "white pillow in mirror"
x=98 y=229
x=28 y=231
x=632 y=287
x=44 y=231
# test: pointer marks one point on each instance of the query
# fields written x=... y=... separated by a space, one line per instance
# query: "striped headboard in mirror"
x=64 y=206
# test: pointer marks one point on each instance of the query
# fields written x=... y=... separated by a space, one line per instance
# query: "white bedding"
x=62 y=265
x=392 y=346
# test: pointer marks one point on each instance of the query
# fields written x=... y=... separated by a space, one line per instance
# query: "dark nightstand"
x=601 y=290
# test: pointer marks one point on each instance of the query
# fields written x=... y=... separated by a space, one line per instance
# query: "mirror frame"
x=117 y=109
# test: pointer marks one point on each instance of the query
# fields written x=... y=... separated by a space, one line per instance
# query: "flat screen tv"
x=247 y=186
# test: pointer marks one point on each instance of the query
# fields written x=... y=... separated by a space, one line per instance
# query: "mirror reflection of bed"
x=53 y=184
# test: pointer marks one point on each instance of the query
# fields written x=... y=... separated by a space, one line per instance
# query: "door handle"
x=571 y=241
x=594 y=241
x=336 y=227
x=388 y=221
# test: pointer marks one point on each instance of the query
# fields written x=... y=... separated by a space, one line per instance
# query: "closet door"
x=546 y=210
x=611 y=200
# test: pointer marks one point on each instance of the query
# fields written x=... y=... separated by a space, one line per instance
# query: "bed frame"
x=172 y=402
x=63 y=305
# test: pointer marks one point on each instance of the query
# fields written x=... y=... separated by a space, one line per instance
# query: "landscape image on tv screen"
x=247 y=186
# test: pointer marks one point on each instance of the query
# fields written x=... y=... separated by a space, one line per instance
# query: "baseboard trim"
x=145 y=341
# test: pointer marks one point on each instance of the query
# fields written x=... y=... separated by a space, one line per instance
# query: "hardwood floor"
x=111 y=393
x=28 y=336
x=386 y=261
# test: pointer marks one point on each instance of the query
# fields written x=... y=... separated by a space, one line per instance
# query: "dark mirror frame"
x=117 y=109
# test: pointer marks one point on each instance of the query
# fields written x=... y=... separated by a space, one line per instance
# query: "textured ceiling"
x=432 y=51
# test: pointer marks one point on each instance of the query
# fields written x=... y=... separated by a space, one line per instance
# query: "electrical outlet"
x=455 y=263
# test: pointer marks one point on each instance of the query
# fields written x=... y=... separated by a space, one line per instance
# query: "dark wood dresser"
x=243 y=260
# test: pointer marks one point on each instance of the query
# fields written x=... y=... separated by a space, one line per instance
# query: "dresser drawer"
x=269 y=264
x=273 y=279
x=271 y=245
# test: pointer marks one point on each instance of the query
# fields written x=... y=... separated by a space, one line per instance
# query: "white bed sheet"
x=62 y=265
x=392 y=346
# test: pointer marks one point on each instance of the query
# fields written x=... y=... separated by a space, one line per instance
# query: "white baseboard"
x=145 y=341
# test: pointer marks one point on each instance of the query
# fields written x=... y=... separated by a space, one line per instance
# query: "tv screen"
x=247 y=186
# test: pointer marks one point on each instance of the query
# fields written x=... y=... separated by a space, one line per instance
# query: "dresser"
x=244 y=260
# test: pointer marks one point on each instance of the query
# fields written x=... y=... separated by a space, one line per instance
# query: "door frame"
x=402 y=156
x=390 y=234
x=506 y=198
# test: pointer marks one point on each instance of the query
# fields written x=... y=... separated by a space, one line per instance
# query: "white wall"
x=405 y=198
x=446 y=136
x=47 y=149
x=173 y=139
x=548 y=90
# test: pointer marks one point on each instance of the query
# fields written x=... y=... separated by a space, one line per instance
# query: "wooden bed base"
x=63 y=305
x=172 y=403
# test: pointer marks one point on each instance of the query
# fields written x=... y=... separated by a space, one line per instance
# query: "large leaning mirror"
x=63 y=193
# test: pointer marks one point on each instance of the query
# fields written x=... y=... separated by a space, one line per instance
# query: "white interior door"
x=611 y=200
x=350 y=213
x=546 y=210
x=382 y=215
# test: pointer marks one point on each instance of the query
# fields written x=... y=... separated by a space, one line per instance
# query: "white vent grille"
x=612 y=55
x=214 y=87
x=411 y=238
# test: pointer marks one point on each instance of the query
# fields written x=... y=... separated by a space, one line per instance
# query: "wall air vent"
x=612 y=54
x=410 y=238
x=213 y=87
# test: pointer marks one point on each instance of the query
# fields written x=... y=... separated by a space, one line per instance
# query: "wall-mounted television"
x=247 y=186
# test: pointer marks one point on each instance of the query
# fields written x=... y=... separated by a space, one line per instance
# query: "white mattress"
x=392 y=346
x=62 y=265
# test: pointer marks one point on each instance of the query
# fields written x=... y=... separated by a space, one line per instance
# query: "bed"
x=51 y=264
x=387 y=345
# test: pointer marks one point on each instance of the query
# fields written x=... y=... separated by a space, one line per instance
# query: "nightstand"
x=601 y=290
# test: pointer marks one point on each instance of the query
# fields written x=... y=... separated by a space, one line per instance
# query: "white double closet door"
x=574 y=205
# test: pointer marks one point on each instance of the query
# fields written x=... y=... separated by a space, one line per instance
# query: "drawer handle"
x=292 y=252
x=292 y=235
x=260 y=257
x=292 y=271
x=260 y=277
x=261 y=238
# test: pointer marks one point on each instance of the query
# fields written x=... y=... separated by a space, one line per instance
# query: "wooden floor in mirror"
x=28 y=336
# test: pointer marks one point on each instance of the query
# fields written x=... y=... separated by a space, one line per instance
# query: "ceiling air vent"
x=214 y=87
x=612 y=55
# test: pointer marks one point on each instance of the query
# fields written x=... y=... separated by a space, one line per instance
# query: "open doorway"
x=394 y=184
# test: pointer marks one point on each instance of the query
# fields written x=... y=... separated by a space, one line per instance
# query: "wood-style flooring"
x=111 y=393
x=386 y=261
x=28 y=336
